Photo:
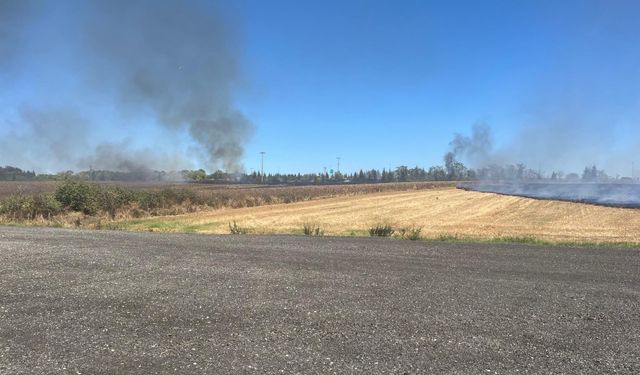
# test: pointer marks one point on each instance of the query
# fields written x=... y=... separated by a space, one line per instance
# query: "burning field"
x=435 y=210
x=445 y=213
x=605 y=194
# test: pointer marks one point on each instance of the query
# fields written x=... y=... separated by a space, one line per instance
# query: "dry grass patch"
x=444 y=212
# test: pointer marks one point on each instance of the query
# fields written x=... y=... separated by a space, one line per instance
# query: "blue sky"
x=388 y=83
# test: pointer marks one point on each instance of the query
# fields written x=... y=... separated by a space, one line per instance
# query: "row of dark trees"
x=15 y=174
x=400 y=174
x=452 y=170
x=140 y=174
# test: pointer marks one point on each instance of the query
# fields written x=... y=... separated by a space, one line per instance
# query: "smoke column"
x=169 y=63
x=476 y=148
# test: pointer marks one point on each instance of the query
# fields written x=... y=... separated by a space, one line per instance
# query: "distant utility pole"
x=262 y=166
x=338 y=169
x=633 y=170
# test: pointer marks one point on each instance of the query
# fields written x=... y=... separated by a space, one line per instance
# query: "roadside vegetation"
x=234 y=228
x=410 y=233
x=80 y=203
x=431 y=212
x=312 y=229
x=381 y=230
x=97 y=200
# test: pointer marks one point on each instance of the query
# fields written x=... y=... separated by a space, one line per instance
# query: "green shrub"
x=381 y=230
x=30 y=207
x=149 y=200
x=409 y=233
x=165 y=198
x=78 y=196
x=312 y=230
x=111 y=199
x=178 y=196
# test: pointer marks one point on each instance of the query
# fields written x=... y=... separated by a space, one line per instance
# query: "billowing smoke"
x=109 y=71
x=477 y=148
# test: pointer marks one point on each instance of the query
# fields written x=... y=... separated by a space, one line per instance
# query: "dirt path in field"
x=439 y=212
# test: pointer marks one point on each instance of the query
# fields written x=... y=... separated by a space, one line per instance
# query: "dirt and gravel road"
x=114 y=302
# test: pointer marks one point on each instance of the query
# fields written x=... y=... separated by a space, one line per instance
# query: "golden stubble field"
x=441 y=212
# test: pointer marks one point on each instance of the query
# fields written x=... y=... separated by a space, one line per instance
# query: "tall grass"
x=135 y=201
x=30 y=207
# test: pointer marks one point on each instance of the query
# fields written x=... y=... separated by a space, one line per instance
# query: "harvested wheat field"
x=441 y=212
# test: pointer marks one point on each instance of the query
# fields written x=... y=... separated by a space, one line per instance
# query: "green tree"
x=197 y=175
x=402 y=172
x=455 y=169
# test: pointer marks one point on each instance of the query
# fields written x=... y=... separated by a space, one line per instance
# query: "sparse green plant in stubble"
x=526 y=239
x=310 y=229
x=409 y=233
x=234 y=228
x=381 y=230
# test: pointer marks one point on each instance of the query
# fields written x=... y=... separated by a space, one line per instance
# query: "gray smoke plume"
x=109 y=156
x=558 y=144
x=562 y=142
x=171 y=61
x=477 y=149
x=48 y=139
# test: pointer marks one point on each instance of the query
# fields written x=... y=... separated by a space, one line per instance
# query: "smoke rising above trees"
x=171 y=64
x=565 y=152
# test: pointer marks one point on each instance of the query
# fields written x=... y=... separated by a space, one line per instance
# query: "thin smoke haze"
x=559 y=145
x=152 y=68
x=508 y=177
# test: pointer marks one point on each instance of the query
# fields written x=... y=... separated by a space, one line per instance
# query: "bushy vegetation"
x=381 y=230
x=166 y=198
x=30 y=207
x=78 y=196
x=94 y=200
x=31 y=200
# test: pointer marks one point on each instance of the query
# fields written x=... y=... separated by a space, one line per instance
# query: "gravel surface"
x=113 y=302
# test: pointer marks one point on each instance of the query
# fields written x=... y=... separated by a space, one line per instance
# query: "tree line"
x=9 y=173
x=451 y=170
